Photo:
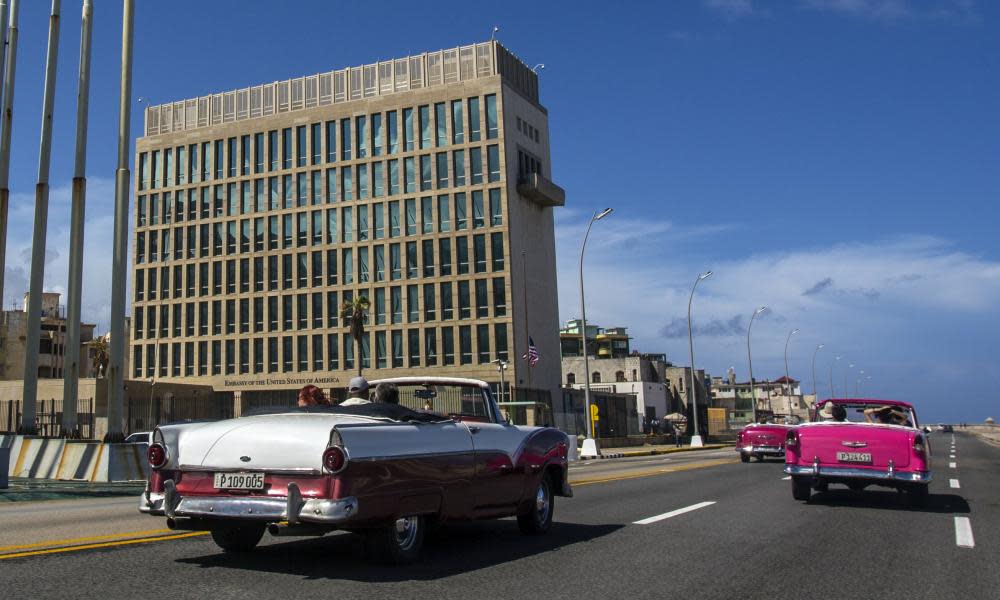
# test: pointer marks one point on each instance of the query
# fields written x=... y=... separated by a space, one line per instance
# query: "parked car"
x=764 y=439
x=383 y=470
x=859 y=443
x=141 y=437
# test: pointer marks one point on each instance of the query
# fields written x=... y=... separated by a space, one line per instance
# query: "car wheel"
x=538 y=519
x=237 y=538
x=917 y=495
x=801 y=489
x=744 y=457
x=760 y=458
x=821 y=486
x=398 y=543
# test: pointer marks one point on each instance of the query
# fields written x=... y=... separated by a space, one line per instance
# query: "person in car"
x=889 y=415
x=357 y=392
x=311 y=395
x=387 y=393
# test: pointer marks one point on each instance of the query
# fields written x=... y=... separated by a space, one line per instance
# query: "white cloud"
x=731 y=8
x=98 y=238
x=892 y=10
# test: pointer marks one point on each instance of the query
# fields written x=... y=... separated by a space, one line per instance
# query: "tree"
x=355 y=314
x=100 y=352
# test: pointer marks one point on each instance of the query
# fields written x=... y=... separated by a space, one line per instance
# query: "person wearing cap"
x=357 y=392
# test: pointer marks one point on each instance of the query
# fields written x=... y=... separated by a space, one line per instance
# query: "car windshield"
x=868 y=413
x=463 y=401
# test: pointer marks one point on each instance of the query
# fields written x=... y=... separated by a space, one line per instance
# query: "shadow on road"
x=456 y=548
x=891 y=500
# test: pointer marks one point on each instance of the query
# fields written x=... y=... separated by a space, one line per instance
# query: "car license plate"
x=239 y=481
x=858 y=457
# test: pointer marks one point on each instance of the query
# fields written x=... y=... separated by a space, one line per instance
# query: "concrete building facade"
x=52 y=344
x=422 y=183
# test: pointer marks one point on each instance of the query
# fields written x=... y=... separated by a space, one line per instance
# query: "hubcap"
x=542 y=502
x=406 y=532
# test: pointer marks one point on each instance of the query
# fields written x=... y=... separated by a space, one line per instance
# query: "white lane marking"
x=674 y=513
x=953 y=483
x=953 y=465
x=963 y=533
x=951 y=456
x=786 y=478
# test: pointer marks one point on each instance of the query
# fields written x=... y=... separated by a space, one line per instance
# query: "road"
x=698 y=525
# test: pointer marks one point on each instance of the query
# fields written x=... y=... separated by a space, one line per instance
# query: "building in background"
x=612 y=342
x=780 y=396
x=52 y=343
x=422 y=183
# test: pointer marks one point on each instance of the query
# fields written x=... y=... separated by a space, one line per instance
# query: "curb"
x=653 y=452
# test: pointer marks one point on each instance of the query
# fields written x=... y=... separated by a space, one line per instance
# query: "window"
x=409 y=175
x=258 y=151
x=448 y=346
x=571 y=379
x=393 y=177
x=444 y=222
x=244 y=155
x=316 y=140
x=411 y=260
x=425 y=127
x=474 y=120
x=379 y=221
x=272 y=150
x=397 y=348
x=619 y=376
x=380 y=350
x=378 y=180
x=427 y=214
x=457 y=126
x=442 y=170
x=345 y=139
x=331 y=185
x=482 y=300
x=461 y=221
x=491 y=117
x=462 y=251
x=317 y=352
x=346 y=183
x=499 y=297
x=595 y=377
x=464 y=304
x=333 y=354
x=395 y=262
x=458 y=167
x=331 y=141
x=441 y=120
x=286 y=148
x=396 y=304
x=446 y=301
x=493 y=163
x=272 y=355
x=428 y=257
x=361 y=132
x=465 y=344
x=496 y=251
x=479 y=253
x=379 y=306
x=331 y=267
x=412 y=304
x=475 y=166
x=377 y=134
x=411 y=216
x=413 y=347
x=500 y=340
x=496 y=209
x=425 y=172
x=347 y=215
x=362 y=182
x=478 y=216
x=317 y=188
x=430 y=346
x=407 y=130
x=379 y=263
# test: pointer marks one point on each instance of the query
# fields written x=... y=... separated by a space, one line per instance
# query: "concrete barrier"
x=38 y=458
x=4 y=461
x=73 y=460
x=78 y=460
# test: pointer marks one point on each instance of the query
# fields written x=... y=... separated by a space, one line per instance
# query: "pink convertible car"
x=859 y=443
x=764 y=439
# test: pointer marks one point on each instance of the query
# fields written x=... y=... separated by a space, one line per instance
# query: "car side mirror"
x=927 y=429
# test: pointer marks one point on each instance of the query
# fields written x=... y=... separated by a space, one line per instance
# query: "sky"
x=835 y=160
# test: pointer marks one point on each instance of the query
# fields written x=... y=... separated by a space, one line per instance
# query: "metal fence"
x=143 y=414
x=48 y=416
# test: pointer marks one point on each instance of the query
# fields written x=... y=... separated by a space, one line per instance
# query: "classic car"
x=766 y=438
x=387 y=471
x=858 y=443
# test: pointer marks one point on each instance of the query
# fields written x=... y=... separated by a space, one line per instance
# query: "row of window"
x=303 y=353
x=432 y=258
x=356 y=137
x=313 y=188
x=322 y=226
x=393 y=305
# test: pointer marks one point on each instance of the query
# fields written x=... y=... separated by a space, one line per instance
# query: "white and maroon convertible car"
x=383 y=470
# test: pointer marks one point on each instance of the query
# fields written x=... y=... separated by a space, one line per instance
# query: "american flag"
x=532 y=354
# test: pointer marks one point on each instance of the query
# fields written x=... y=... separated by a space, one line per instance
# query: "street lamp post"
x=788 y=389
x=753 y=393
x=589 y=445
x=501 y=366
x=816 y=351
x=692 y=390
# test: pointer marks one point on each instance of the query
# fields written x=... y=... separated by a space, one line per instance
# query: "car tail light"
x=792 y=438
x=334 y=459
x=157 y=455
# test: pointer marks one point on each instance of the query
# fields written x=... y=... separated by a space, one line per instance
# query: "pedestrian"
x=677 y=434
x=357 y=392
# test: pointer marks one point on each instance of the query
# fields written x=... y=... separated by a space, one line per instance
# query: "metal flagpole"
x=527 y=330
x=10 y=61
x=119 y=264
x=34 y=328
x=71 y=372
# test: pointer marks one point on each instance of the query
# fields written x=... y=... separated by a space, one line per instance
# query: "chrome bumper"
x=291 y=508
x=855 y=473
x=771 y=450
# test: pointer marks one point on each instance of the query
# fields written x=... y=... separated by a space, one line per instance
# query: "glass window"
x=441 y=119
x=168 y=166
x=428 y=257
x=397 y=348
x=317 y=187
x=361 y=131
x=288 y=185
x=496 y=209
x=346 y=183
x=413 y=347
x=362 y=182
x=348 y=221
x=412 y=304
x=464 y=300
x=408 y=129
x=275 y=192
x=378 y=184
x=194 y=166
x=430 y=307
x=286 y=148
x=479 y=252
x=444 y=256
x=379 y=307
x=396 y=304
x=425 y=173
x=482 y=300
x=461 y=221
x=446 y=301
x=425 y=127
x=411 y=260
x=317 y=352
x=474 y=119
x=244 y=155
x=395 y=262
x=447 y=346
x=465 y=344
x=478 y=216
x=393 y=128
x=363 y=222
x=379 y=221
x=345 y=139
x=143 y=171
x=377 y=134
x=444 y=222
x=442 y=170
x=316 y=139
x=430 y=346
x=379 y=263
x=333 y=311
x=458 y=167
x=496 y=251
x=272 y=150
x=331 y=141
x=331 y=185
x=462 y=250
x=457 y=126
x=393 y=177
x=380 y=350
x=426 y=214
x=500 y=340
x=331 y=225
x=182 y=163
x=475 y=166
x=493 y=162
x=411 y=216
x=410 y=183
x=347 y=258
x=394 y=218
x=491 y=117
x=483 y=343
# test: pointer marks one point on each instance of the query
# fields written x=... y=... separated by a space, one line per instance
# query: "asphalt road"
x=614 y=539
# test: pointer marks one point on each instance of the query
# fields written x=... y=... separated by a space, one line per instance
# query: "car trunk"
x=884 y=443
x=765 y=437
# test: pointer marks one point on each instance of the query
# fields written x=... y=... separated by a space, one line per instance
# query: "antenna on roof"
x=493 y=35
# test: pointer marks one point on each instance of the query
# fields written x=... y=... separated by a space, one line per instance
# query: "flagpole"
x=527 y=330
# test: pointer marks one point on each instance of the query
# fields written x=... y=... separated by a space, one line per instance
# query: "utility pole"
x=34 y=325
x=6 y=121
x=71 y=371
x=120 y=251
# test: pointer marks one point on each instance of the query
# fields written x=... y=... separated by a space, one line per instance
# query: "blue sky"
x=836 y=160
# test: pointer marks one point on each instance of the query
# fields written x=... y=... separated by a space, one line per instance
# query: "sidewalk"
x=26 y=490
x=652 y=450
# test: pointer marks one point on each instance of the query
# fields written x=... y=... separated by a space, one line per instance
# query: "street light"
x=788 y=397
x=589 y=442
x=693 y=403
x=538 y=67
x=501 y=366
x=753 y=393
x=815 y=395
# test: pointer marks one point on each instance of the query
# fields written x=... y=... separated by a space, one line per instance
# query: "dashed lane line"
x=963 y=533
x=673 y=513
x=786 y=478
x=953 y=483
x=953 y=465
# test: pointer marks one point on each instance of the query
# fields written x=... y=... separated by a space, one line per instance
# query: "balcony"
x=540 y=190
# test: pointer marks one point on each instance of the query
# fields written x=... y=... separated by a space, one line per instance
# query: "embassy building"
x=422 y=183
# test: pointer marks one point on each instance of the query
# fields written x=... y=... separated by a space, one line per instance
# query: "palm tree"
x=355 y=314
x=100 y=352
